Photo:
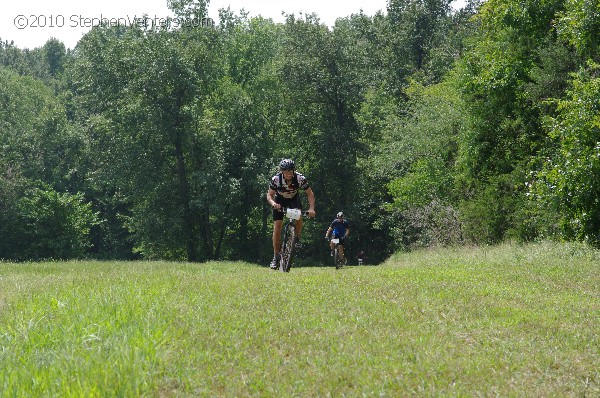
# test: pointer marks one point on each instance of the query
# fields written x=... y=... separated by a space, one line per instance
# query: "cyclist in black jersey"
x=283 y=192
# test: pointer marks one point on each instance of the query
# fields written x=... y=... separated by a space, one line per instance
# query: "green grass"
x=501 y=321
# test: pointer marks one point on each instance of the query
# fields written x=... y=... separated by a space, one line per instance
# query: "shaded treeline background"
x=425 y=125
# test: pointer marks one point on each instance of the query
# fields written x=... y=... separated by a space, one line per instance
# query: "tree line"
x=426 y=125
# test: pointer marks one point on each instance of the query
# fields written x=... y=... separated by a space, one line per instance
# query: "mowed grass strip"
x=512 y=320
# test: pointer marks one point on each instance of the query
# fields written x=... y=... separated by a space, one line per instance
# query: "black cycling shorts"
x=293 y=203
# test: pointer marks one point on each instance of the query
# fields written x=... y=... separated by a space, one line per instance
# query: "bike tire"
x=287 y=248
x=336 y=258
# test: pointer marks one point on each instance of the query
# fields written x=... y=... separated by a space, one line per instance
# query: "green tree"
x=143 y=89
x=416 y=162
x=579 y=25
x=569 y=179
x=322 y=73
x=504 y=80
x=190 y=10
x=244 y=113
x=417 y=29
x=12 y=188
x=409 y=130
x=33 y=128
x=36 y=144
x=44 y=63
x=323 y=96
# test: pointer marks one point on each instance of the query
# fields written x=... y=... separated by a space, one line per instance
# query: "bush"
x=53 y=225
x=435 y=224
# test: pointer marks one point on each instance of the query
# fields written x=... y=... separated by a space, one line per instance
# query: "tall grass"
x=512 y=320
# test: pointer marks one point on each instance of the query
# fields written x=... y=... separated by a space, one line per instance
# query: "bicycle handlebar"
x=294 y=214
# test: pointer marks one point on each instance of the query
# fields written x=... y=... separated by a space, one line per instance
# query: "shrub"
x=54 y=225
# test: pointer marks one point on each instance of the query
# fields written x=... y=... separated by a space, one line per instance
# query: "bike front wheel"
x=336 y=258
x=287 y=248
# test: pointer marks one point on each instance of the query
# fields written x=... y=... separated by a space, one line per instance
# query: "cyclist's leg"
x=277 y=223
x=277 y=235
x=341 y=248
x=335 y=250
x=298 y=228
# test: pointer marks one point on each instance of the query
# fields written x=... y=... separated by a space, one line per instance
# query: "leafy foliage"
x=52 y=225
x=569 y=180
x=425 y=125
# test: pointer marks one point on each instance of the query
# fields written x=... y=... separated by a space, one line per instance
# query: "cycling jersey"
x=339 y=228
x=288 y=190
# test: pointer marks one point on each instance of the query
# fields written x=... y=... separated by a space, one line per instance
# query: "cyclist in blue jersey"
x=340 y=229
x=283 y=192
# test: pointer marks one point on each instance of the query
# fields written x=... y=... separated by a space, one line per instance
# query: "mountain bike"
x=337 y=258
x=286 y=253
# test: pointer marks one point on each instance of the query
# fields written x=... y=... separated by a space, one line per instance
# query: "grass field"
x=512 y=320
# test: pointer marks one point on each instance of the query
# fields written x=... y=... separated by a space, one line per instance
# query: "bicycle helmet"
x=286 y=164
x=340 y=215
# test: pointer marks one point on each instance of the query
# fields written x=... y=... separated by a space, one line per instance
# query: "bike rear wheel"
x=287 y=248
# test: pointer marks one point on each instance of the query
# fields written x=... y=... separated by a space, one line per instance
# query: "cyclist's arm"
x=311 y=202
x=328 y=232
x=271 y=199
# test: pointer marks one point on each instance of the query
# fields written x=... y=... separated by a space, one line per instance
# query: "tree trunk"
x=184 y=194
